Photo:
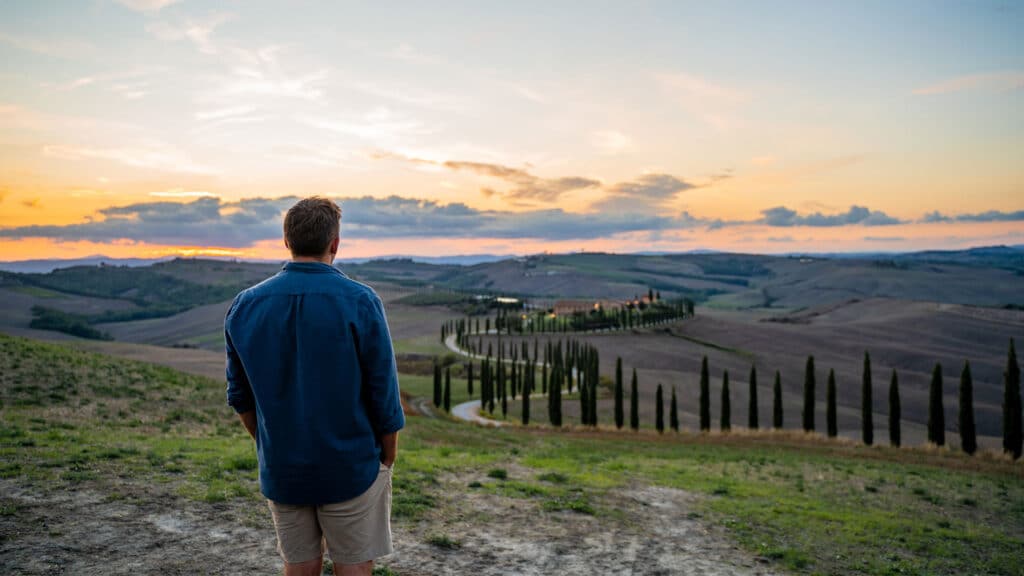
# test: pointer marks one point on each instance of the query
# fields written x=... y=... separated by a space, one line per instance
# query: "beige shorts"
x=352 y=532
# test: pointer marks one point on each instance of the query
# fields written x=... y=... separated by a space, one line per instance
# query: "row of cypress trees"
x=1012 y=423
x=583 y=359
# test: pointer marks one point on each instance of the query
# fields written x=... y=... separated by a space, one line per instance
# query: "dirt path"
x=145 y=530
x=469 y=411
x=497 y=535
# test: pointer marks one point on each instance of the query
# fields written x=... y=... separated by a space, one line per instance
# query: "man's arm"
x=388 y=447
x=249 y=421
x=239 y=391
x=380 y=374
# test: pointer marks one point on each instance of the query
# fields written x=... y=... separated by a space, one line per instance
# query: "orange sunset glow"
x=160 y=128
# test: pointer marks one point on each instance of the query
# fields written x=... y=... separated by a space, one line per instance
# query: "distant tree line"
x=75 y=324
x=636 y=313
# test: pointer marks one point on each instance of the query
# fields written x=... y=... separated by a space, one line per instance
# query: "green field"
x=74 y=420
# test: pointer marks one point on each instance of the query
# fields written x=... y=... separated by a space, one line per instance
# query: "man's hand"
x=249 y=421
x=389 y=449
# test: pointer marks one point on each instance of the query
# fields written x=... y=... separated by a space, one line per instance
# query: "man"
x=311 y=373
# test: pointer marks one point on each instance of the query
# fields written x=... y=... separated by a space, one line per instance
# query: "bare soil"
x=148 y=530
x=650 y=530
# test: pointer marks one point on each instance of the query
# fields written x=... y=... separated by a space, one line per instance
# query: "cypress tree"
x=894 y=409
x=673 y=413
x=437 y=384
x=584 y=388
x=726 y=421
x=705 y=393
x=777 y=402
x=809 y=385
x=526 y=401
x=752 y=411
x=555 y=392
x=544 y=377
x=595 y=378
x=503 y=388
x=830 y=409
x=512 y=376
x=619 y=416
x=634 y=408
x=1013 y=434
x=659 y=410
x=492 y=379
x=936 y=415
x=469 y=374
x=866 y=404
x=448 y=389
x=968 y=440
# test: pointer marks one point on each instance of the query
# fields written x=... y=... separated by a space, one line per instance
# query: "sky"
x=147 y=128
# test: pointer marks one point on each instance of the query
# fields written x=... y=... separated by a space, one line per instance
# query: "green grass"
x=443 y=541
x=430 y=345
x=38 y=292
x=71 y=419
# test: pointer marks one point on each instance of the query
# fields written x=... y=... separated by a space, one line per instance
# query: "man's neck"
x=325 y=259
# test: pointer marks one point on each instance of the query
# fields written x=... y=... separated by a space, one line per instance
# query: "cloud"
x=524 y=185
x=179 y=193
x=147 y=5
x=60 y=47
x=211 y=221
x=781 y=216
x=714 y=104
x=650 y=193
x=610 y=142
x=380 y=126
x=70 y=84
x=205 y=221
x=935 y=216
x=989 y=216
x=700 y=88
x=198 y=31
x=415 y=96
x=993 y=81
x=151 y=156
x=130 y=85
x=651 y=186
x=527 y=93
x=885 y=238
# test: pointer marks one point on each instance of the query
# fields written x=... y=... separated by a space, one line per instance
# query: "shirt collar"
x=310 y=267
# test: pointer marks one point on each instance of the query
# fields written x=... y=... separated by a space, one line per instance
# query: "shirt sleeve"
x=239 y=392
x=377 y=363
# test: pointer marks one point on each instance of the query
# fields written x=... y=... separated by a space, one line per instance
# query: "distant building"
x=566 y=307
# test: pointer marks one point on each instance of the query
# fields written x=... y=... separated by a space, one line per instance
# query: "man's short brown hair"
x=311 y=225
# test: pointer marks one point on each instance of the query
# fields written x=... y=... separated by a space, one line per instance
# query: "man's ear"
x=286 y=245
x=334 y=244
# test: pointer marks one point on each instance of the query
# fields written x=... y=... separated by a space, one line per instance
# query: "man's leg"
x=299 y=539
x=308 y=568
x=361 y=569
x=358 y=531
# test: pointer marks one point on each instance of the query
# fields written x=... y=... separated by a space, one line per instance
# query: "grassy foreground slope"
x=73 y=421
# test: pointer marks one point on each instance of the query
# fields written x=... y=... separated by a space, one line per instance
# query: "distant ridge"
x=49 y=265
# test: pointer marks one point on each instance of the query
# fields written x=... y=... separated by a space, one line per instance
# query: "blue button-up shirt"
x=309 y=350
